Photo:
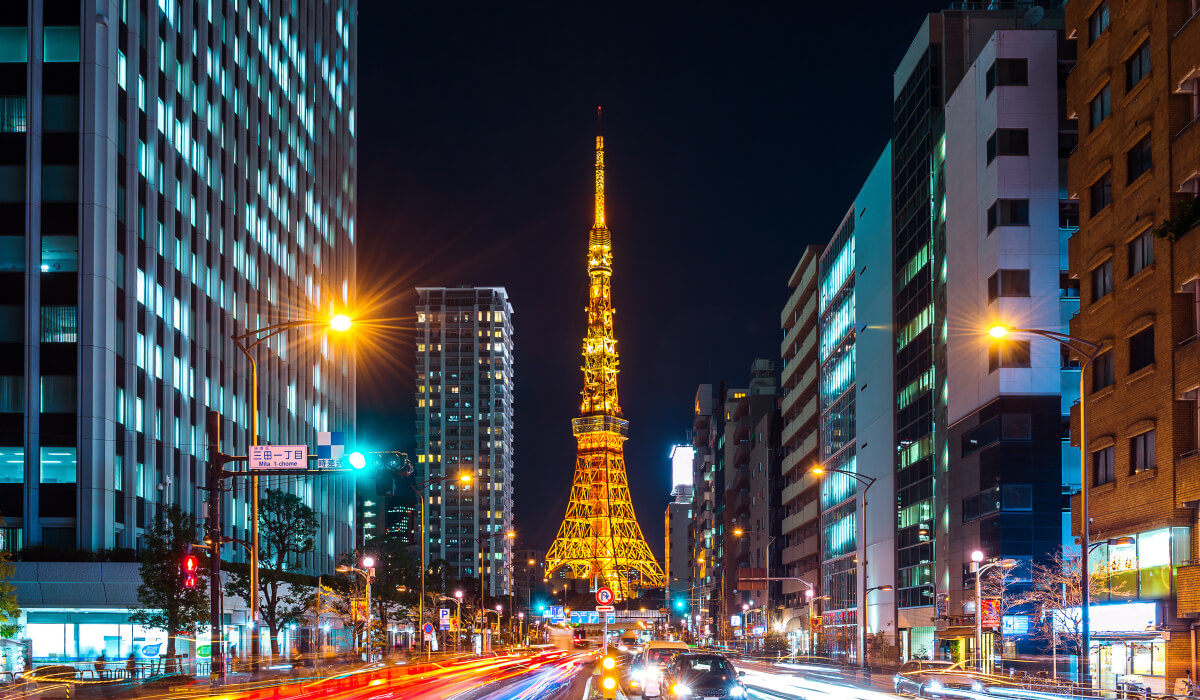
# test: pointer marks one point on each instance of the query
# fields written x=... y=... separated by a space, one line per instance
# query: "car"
x=647 y=667
x=930 y=678
x=701 y=676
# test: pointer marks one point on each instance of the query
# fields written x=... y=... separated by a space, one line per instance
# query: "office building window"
x=1141 y=349
x=1137 y=66
x=58 y=324
x=14 y=44
x=12 y=323
x=1102 y=280
x=1097 y=22
x=58 y=393
x=1103 y=470
x=13 y=117
x=1138 y=159
x=1101 y=193
x=1102 y=371
x=1141 y=253
x=1101 y=107
x=1008 y=354
x=58 y=465
x=1008 y=283
x=1008 y=212
x=61 y=44
x=12 y=393
x=1008 y=142
x=1141 y=452
x=1007 y=71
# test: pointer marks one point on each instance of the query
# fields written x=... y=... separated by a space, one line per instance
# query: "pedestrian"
x=100 y=665
x=131 y=666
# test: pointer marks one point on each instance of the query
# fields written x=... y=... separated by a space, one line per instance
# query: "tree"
x=286 y=529
x=1056 y=600
x=10 y=612
x=166 y=604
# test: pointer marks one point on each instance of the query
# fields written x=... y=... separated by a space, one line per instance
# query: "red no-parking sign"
x=604 y=595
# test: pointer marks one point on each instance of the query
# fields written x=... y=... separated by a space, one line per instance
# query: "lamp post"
x=738 y=532
x=979 y=568
x=418 y=488
x=866 y=482
x=1089 y=351
x=246 y=342
x=368 y=572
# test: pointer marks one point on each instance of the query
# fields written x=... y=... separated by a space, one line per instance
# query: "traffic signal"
x=383 y=462
x=608 y=677
x=188 y=568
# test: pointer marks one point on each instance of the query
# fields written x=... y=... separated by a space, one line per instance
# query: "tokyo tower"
x=600 y=539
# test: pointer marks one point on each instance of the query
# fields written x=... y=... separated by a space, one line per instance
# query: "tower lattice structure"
x=600 y=538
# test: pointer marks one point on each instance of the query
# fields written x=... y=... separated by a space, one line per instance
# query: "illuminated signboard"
x=681 y=465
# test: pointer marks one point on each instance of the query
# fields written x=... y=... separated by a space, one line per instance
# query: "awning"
x=957 y=632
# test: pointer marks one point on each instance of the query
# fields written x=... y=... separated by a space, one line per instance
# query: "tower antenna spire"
x=599 y=224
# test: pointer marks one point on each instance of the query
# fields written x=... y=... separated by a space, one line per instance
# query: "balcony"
x=796 y=552
x=794 y=489
x=1187 y=477
x=1187 y=364
x=808 y=513
x=807 y=381
x=806 y=346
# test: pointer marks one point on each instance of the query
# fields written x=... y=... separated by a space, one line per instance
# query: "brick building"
x=1134 y=92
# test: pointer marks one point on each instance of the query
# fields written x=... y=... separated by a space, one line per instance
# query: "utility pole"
x=216 y=465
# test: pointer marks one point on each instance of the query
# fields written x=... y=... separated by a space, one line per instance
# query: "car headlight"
x=737 y=692
x=637 y=675
x=977 y=687
x=935 y=685
x=681 y=689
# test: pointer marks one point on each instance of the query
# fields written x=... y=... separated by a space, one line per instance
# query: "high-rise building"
x=1007 y=220
x=855 y=348
x=527 y=579
x=799 y=536
x=1136 y=260
x=464 y=399
x=708 y=512
x=943 y=50
x=752 y=523
x=174 y=174
x=677 y=521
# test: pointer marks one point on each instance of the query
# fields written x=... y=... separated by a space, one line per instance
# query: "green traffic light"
x=358 y=460
x=679 y=604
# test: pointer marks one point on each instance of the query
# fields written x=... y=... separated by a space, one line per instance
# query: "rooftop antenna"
x=599 y=131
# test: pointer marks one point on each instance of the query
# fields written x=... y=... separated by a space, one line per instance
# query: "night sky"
x=734 y=137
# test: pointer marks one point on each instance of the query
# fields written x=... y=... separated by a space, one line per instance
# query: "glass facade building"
x=172 y=174
x=464 y=366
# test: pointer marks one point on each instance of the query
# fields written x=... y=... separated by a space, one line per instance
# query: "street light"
x=1089 y=351
x=738 y=532
x=866 y=482
x=247 y=342
x=368 y=571
x=417 y=489
x=979 y=568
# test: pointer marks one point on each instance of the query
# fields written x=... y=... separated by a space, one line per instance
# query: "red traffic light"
x=188 y=569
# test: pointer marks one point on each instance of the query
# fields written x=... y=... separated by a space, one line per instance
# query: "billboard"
x=681 y=465
x=990 y=611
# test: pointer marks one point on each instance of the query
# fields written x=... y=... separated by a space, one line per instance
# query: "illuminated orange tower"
x=600 y=538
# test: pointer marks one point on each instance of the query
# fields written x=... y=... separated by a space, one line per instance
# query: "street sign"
x=427 y=628
x=556 y=613
x=331 y=446
x=444 y=618
x=604 y=595
x=605 y=609
x=589 y=617
x=268 y=457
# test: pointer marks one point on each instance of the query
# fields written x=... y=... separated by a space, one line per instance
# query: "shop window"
x=1103 y=470
x=58 y=465
x=1154 y=564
